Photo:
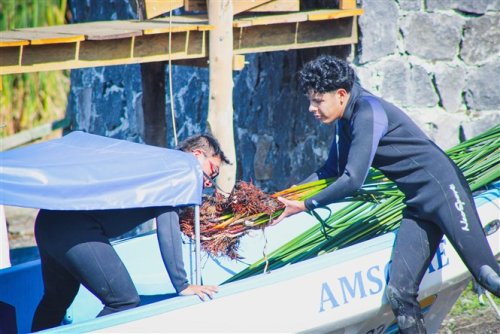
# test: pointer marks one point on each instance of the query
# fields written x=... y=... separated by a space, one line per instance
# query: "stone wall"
x=436 y=59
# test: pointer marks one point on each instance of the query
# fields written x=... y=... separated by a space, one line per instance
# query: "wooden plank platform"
x=328 y=14
x=102 y=30
x=12 y=41
x=300 y=30
x=107 y=43
x=101 y=43
x=42 y=37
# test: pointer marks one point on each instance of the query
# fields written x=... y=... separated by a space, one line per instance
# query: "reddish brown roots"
x=223 y=221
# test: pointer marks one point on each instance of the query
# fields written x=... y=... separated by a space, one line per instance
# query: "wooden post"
x=154 y=104
x=153 y=96
x=220 y=106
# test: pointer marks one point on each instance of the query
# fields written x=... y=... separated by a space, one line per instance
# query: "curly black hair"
x=326 y=74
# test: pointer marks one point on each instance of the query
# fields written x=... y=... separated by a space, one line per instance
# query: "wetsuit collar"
x=349 y=108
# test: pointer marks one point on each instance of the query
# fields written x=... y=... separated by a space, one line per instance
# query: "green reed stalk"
x=380 y=211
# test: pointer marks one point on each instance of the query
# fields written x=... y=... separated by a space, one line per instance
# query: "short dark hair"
x=326 y=74
x=203 y=142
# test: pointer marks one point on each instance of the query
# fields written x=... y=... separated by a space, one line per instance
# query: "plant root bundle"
x=224 y=220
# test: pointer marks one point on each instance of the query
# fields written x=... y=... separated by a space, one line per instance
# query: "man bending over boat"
x=75 y=249
x=373 y=132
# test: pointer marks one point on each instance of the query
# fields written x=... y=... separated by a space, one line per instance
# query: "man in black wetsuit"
x=373 y=132
x=75 y=249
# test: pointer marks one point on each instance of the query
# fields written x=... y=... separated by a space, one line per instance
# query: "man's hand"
x=291 y=208
x=200 y=290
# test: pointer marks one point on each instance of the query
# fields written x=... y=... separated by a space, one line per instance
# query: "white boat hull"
x=340 y=292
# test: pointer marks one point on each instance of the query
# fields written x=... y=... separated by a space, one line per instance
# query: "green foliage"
x=31 y=99
x=470 y=303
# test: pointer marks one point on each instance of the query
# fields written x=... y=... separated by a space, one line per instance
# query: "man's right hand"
x=201 y=291
x=291 y=208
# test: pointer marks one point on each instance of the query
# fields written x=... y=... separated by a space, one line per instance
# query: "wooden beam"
x=12 y=42
x=153 y=90
x=101 y=30
x=278 y=6
x=91 y=53
x=154 y=103
x=271 y=19
x=297 y=35
x=347 y=4
x=220 y=105
x=129 y=42
x=198 y=62
x=239 y=62
x=238 y=6
x=36 y=37
x=157 y=7
x=329 y=14
x=161 y=26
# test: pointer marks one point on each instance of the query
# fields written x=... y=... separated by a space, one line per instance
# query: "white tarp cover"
x=82 y=171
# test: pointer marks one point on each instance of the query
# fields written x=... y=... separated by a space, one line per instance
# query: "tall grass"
x=31 y=99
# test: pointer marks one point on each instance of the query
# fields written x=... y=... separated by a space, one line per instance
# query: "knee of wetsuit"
x=131 y=302
x=125 y=302
x=489 y=279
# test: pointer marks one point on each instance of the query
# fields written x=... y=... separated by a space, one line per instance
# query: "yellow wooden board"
x=158 y=7
x=106 y=43
x=200 y=21
x=278 y=6
x=192 y=18
x=328 y=14
x=12 y=42
x=101 y=30
x=40 y=37
x=161 y=26
x=244 y=5
x=239 y=6
x=316 y=15
x=347 y=4
x=270 y=19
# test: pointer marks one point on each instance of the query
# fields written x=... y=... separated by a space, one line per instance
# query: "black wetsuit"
x=373 y=132
x=75 y=249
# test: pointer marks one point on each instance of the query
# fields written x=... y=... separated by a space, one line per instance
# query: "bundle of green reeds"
x=374 y=210
x=478 y=159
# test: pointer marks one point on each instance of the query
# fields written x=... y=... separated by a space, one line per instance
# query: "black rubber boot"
x=489 y=279
x=407 y=311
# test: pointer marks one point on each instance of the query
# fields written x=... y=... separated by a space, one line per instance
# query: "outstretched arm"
x=169 y=239
x=368 y=126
